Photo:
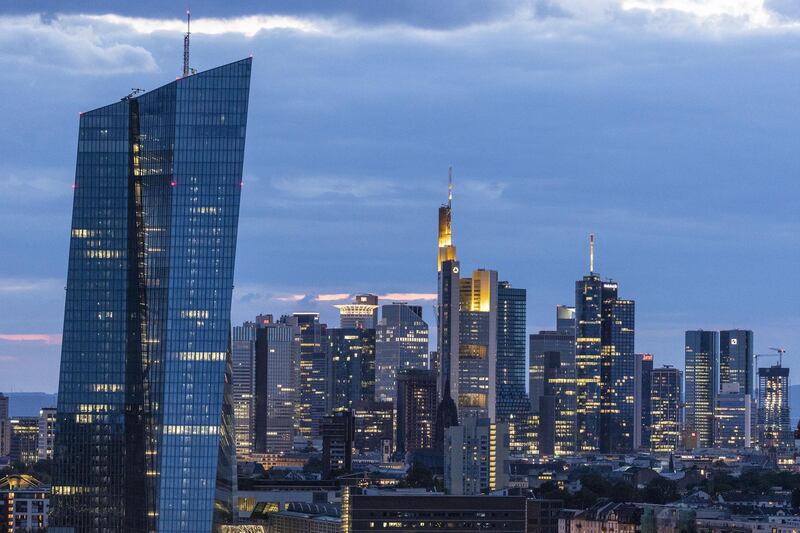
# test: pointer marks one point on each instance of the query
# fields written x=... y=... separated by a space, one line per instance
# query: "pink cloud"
x=408 y=296
x=332 y=297
x=291 y=298
x=47 y=338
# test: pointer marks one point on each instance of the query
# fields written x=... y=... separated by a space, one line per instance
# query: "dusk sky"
x=669 y=128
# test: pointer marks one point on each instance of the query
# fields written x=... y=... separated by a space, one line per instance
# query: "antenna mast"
x=186 y=44
x=449 y=186
x=591 y=253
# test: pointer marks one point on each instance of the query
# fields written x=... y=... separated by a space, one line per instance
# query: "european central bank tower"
x=144 y=431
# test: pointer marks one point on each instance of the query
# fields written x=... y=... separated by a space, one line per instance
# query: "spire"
x=186 y=44
x=591 y=253
x=449 y=186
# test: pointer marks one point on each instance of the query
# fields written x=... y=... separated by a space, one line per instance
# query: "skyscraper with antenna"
x=604 y=363
x=447 y=320
x=144 y=438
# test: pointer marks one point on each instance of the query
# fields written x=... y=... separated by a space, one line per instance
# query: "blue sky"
x=668 y=128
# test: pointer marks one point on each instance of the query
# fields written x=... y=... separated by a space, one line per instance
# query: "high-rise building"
x=243 y=385
x=605 y=361
x=47 y=433
x=351 y=353
x=552 y=384
x=447 y=323
x=513 y=404
x=474 y=457
x=642 y=420
x=416 y=410
x=144 y=434
x=24 y=504
x=736 y=362
x=732 y=417
x=374 y=426
x=477 y=345
x=362 y=313
x=338 y=437
x=277 y=385
x=25 y=439
x=702 y=386
x=665 y=410
x=5 y=427
x=774 y=428
x=401 y=342
x=314 y=375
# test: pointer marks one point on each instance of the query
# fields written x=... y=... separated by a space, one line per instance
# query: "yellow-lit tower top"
x=447 y=252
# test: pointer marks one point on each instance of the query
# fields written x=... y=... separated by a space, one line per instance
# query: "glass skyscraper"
x=665 y=401
x=702 y=386
x=401 y=342
x=736 y=359
x=144 y=438
x=512 y=369
x=774 y=428
x=605 y=366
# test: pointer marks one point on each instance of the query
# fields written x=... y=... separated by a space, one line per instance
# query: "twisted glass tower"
x=144 y=431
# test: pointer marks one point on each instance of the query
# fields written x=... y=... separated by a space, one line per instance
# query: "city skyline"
x=519 y=191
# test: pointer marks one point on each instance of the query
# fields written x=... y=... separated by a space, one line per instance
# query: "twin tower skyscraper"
x=144 y=437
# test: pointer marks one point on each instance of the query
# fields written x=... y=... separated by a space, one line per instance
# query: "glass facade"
x=351 y=353
x=401 y=342
x=774 y=429
x=702 y=386
x=314 y=376
x=736 y=359
x=665 y=410
x=144 y=438
x=243 y=357
x=588 y=332
x=512 y=372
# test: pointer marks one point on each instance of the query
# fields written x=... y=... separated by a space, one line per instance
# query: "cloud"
x=248 y=26
x=408 y=296
x=324 y=186
x=291 y=298
x=46 y=338
x=332 y=297
x=23 y=285
x=8 y=359
x=69 y=45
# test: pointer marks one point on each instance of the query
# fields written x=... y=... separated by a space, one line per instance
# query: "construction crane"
x=779 y=353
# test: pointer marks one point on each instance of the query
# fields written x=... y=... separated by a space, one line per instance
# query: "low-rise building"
x=24 y=503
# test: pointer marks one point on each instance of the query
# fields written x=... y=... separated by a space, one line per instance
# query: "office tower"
x=416 y=410
x=665 y=410
x=314 y=375
x=277 y=384
x=736 y=362
x=401 y=342
x=374 y=426
x=702 y=384
x=338 y=437
x=548 y=409
x=5 y=427
x=604 y=360
x=47 y=433
x=144 y=434
x=447 y=322
x=513 y=404
x=474 y=457
x=558 y=423
x=25 y=439
x=477 y=345
x=642 y=419
x=774 y=429
x=351 y=353
x=732 y=417
x=362 y=313
x=243 y=385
